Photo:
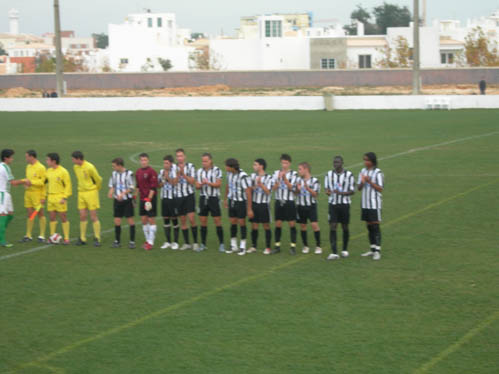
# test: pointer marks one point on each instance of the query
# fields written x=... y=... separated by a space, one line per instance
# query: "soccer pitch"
x=430 y=305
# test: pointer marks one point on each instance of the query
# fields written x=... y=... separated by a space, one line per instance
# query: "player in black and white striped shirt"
x=166 y=180
x=340 y=186
x=285 y=207
x=185 y=197
x=238 y=201
x=261 y=185
x=371 y=183
x=122 y=189
x=308 y=189
x=208 y=182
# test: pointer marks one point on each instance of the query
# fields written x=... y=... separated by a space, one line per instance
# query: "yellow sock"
x=96 y=225
x=43 y=226
x=83 y=231
x=65 y=230
x=53 y=227
x=29 y=228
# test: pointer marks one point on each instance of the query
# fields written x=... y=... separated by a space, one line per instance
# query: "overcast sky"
x=88 y=16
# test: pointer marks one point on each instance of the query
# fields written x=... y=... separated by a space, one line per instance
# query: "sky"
x=210 y=16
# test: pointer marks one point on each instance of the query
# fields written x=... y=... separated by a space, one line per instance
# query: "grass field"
x=430 y=305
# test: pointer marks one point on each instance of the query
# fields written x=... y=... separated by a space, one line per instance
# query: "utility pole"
x=425 y=20
x=58 y=51
x=416 y=64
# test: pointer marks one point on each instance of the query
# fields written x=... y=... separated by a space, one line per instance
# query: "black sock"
x=220 y=234
x=332 y=239
x=244 y=232
x=268 y=238
x=304 y=238
x=117 y=233
x=317 y=235
x=194 y=234
x=168 y=229
x=346 y=237
x=175 y=230
x=293 y=235
x=254 y=237
x=204 y=233
x=377 y=235
x=372 y=239
x=277 y=234
x=132 y=233
x=185 y=233
x=233 y=231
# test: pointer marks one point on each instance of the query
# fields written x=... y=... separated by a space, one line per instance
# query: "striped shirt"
x=167 y=189
x=282 y=192
x=343 y=182
x=121 y=182
x=238 y=183
x=259 y=196
x=372 y=199
x=212 y=175
x=184 y=188
x=305 y=198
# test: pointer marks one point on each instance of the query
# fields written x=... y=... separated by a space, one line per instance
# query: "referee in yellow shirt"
x=34 y=196
x=89 y=184
x=59 y=188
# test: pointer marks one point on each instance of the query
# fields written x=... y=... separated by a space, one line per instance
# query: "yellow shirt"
x=59 y=182
x=88 y=177
x=36 y=175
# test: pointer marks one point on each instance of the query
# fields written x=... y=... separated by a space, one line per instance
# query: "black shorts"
x=261 y=213
x=237 y=209
x=306 y=213
x=209 y=205
x=371 y=215
x=285 y=210
x=339 y=213
x=153 y=211
x=168 y=208
x=185 y=205
x=123 y=208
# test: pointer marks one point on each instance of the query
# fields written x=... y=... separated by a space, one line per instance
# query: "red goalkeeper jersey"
x=147 y=180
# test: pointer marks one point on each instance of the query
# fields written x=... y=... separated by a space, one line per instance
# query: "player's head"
x=232 y=165
x=338 y=163
x=168 y=162
x=77 y=157
x=144 y=160
x=207 y=160
x=7 y=155
x=31 y=156
x=370 y=160
x=304 y=169
x=285 y=161
x=180 y=155
x=118 y=164
x=53 y=159
x=259 y=164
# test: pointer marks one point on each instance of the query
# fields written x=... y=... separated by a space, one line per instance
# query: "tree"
x=101 y=40
x=361 y=14
x=479 y=50
x=399 y=57
x=3 y=52
x=391 y=15
x=197 y=35
x=47 y=63
x=166 y=64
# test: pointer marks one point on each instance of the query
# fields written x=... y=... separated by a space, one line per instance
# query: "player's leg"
x=345 y=221
x=242 y=226
x=167 y=226
x=291 y=215
x=117 y=232
x=130 y=214
x=151 y=220
x=233 y=233
x=333 y=225
x=278 y=209
x=65 y=224
x=376 y=233
x=53 y=222
x=83 y=211
x=93 y=207
x=254 y=235
x=220 y=232
x=304 y=235
x=42 y=221
x=3 y=229
x=268 y=238
x=365 y=216
x=191 y=215
x=203 y=222
x=4 y=212
x=317 y=236
x=30 y=209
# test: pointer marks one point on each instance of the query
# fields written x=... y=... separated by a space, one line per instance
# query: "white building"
x=143 y=39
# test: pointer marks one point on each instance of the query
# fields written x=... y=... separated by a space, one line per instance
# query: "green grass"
x=102 y=310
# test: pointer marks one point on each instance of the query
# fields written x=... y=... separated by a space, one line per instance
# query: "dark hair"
x=262 y=162
x=144 y=155
x=285 y=157
x=207 y=154
x=179 y=150
x=306 y=165
x=118 y=161
x=338 y=157
x=232 y=163
x=372 y=157
x=77 y=154
x=54 y=157
x=169 y=158
x=6 y=153
x=31 y=153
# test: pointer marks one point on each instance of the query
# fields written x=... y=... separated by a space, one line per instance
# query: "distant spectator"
x=45 y=94
x=53 y=94
x=483 y=86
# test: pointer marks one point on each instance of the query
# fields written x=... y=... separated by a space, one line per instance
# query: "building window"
x=124 y=61
x=365 y=62
x=149 y=22
x=447 y=58
x=328 y=63
x=160 y=22
x=273 y=29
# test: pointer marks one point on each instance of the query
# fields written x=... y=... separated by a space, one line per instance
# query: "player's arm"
x=378 y=183
x=267 y=189
x=218 y=181
x=68 y=188
x=190 y=176
x=18 y=182
x=198 y=183
x=351 y=189
x=110 y=194
x=327 y=187
x=96 y=177
x=360 y=184
x=249 y=194
x=313 y=191
x=289 y=183
x=276 y=182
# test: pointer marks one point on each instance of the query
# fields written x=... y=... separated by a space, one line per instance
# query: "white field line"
x=133 y=158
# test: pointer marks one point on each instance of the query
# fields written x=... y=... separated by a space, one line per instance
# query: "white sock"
x=243 y=244
x=152 y=234
x=233 y=242
x=145 y=228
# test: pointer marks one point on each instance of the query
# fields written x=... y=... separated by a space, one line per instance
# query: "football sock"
x=3 y=225
x=346 y=237
x=175 y=230
x=277 y=234
x=372 y=239
x=132 y=233
x=233 y=231
x=53 y=227
x=293 y=236
x=377 y=236
x=83 y=231
x=43 y=226
x=204 y=233
x=185 y=233
x=29 y=227
x=152 y=234
x=145 y=228
x=220 y=234
x=96 y=226
x=167 y=228
x=317 y=236
x=117 y=233
x=65 y=230
x=304 y=237
x=194 y=230
x=244 y=232
x=254 y=237
x=268 y=238
x=332 y=240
